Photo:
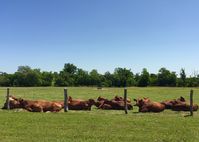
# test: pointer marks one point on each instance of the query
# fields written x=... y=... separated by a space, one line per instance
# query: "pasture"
x=98 y=125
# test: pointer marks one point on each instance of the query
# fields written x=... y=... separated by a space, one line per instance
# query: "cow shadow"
x=188 y=115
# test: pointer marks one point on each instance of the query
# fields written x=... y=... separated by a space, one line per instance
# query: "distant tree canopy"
x=144 y=78
x=71 y=75
x=166 y=78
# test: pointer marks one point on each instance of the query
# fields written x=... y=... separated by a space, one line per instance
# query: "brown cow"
x=81 y=105
x=59 y=102
x=77 y=104
x=62 y=102
x=40 y=106
x=179 y=104
x=13 y=102
x=170 y=103
x=184 y=107
x=118 y=98
x=70 y=99
x=146 y=105
x=115 y=104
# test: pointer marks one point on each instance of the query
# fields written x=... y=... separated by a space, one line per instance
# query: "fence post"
x=65 y=100
x=125 y=101
x=191 y=103
x=7 y=98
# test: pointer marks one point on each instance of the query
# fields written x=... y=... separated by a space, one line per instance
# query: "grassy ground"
x=98 y=125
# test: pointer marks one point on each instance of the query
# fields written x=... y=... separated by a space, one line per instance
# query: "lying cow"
x=13 y=103
x=179 y=104
x=70 y=99
x=80 y=105
x=119 y=98
x=146 y=105
x=33 y=106
x=40 y=106
x=115 y=104
x=77 y=104
x=184 y=107
x=170 y=103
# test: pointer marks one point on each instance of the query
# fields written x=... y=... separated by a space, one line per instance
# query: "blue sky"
x=100 y=34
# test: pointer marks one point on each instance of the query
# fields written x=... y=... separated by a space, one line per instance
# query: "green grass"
x=98 y=125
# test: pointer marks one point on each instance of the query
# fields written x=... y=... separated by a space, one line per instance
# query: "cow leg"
x=100 y=107
x=37 y=108
x=144 y=109
x=29 y=109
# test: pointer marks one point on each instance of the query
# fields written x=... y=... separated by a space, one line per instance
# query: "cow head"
x=70 y=99
x=97 y=104
x=14 y=103
x=117 y=98
x=101 y=98
x=91 y=102
x=182 y=99
x=22 y=102
x=146 y=100
x=139 y=102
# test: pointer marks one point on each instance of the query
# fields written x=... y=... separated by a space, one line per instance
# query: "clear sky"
x=100 y=34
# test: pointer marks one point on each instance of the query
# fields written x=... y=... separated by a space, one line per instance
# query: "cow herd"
x=117 y=103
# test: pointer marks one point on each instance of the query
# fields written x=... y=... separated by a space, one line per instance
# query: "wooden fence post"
x=7 y=98
x=191 y=103
x=125 y=101
x=65 y=100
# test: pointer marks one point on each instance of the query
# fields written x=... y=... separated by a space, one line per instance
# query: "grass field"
x=98 y=125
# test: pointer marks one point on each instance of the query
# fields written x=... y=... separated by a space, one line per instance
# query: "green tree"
x=5 y=79
x=123 y=77
x=25 y=76
x=94 y=78
x=82 y=78
x=109 y=79
x=166 y=78
x=153 y=80
x=144 y=78
x=46 y=78
x=70 y=68
x=183 y=77
x=66 y=77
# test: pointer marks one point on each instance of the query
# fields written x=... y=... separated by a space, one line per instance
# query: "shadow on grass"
x=136 y=112
x=188 y=115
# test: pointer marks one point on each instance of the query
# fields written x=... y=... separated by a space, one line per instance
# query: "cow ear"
x=20 y=99
x=141 y=101
x=182 y=98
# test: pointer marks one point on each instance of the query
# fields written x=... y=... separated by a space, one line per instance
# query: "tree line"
x=25 y=76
